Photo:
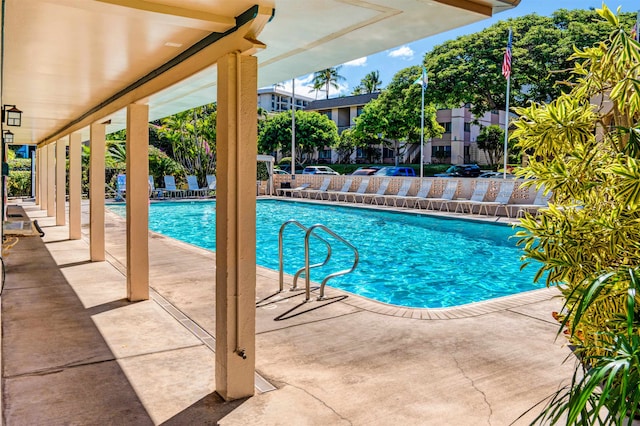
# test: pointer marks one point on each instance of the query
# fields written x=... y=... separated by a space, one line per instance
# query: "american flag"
x=506 y=63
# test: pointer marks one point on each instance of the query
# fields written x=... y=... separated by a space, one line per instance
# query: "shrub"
x=585 y=147
x=19 y=183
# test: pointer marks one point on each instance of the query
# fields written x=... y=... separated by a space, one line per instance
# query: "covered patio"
x=79 y=69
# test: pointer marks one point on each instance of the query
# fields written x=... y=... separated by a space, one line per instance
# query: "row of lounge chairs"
x=170 y=189
x=477 y=203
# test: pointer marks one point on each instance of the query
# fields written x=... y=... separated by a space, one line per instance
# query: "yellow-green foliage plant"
x=585 y=147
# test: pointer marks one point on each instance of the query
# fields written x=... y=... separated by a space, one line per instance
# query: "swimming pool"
x=405 y=259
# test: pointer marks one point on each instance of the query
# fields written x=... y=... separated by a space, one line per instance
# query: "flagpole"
x=293 y=129
x=506 y=128
x=422 y=132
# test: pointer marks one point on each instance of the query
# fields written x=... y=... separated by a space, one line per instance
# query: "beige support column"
x=38 y=175
x=75 y=186
x=96 y=192
x=137 y=202
x=61 y=181
x=44 y=160
x=236 y=226
x=51 y=179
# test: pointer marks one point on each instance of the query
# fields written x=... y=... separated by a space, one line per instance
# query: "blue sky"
x=391 y=61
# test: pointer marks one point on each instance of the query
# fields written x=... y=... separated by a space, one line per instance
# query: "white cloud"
x=361 y=62
x=304 y=87
x=404 y=52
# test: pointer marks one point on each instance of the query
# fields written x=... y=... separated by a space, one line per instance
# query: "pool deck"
x=74 y=351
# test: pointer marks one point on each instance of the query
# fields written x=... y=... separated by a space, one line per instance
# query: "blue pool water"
x=405 y=259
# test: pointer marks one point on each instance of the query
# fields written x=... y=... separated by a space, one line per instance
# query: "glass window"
x=467 y=127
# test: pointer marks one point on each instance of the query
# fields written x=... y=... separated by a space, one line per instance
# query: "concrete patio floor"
x=74 y=351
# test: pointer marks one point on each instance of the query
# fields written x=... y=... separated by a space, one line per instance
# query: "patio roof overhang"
x=67 y=63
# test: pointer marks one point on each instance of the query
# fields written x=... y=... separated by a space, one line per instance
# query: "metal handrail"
x=281 y=254
x=308 y=234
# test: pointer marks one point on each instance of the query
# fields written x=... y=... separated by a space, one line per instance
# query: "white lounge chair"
x=379 y=193
x=421 y=195
x=324 y=186
x=343 y=190
x=479 y=192
x=401 y=194
x=541 y=200
x=502 y=199
x=362 y=189
x=170 y=188
x=291 y=192
x=447 y=195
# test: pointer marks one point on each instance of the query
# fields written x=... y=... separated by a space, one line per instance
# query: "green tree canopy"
x=193 y=139
x=313 y=131
x=371 y=83
x=395 y=115
x=468 y=69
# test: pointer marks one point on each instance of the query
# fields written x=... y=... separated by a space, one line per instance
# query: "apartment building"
x=275 y=99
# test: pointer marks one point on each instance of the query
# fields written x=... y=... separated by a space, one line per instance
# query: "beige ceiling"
x=63 y=58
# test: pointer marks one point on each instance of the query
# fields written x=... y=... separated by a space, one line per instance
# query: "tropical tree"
x=468 y=69
x=491 y=141
x=313 y=131
x=395 y=116
x=193 y=140
x=585 y=147
x=371 y=82
x=327 y=78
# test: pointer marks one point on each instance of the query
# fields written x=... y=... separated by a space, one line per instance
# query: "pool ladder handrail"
x=281 y=255
x=309 y=232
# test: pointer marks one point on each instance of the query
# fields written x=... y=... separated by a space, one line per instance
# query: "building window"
x=359 y=110
x=441 y=151
x=325 y=154
x=360 y=153
x=447 y=126
x=388 y=153
x=467 y=127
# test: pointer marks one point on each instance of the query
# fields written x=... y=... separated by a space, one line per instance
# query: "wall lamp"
x=7 y=136
x=11 y=115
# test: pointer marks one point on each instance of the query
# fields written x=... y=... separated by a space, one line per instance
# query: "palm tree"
x=325 y=78
x=371 y=82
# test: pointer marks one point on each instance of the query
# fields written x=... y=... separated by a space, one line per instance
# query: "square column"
x=236 y=226
x=75 y=186
x=61 y=182
x=43 y=174
x=51 y=179
x=137 y=202
x=96 y=192
x=38 y=178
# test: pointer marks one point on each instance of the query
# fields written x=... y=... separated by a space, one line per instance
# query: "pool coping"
x=445 y=313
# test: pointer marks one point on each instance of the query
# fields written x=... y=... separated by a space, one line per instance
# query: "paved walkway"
x=76 y=352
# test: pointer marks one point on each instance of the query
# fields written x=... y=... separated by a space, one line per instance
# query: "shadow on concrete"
x=56 y=366
x=114 y=304
x=208 y=411
x=72 y=264
x=291 y=313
